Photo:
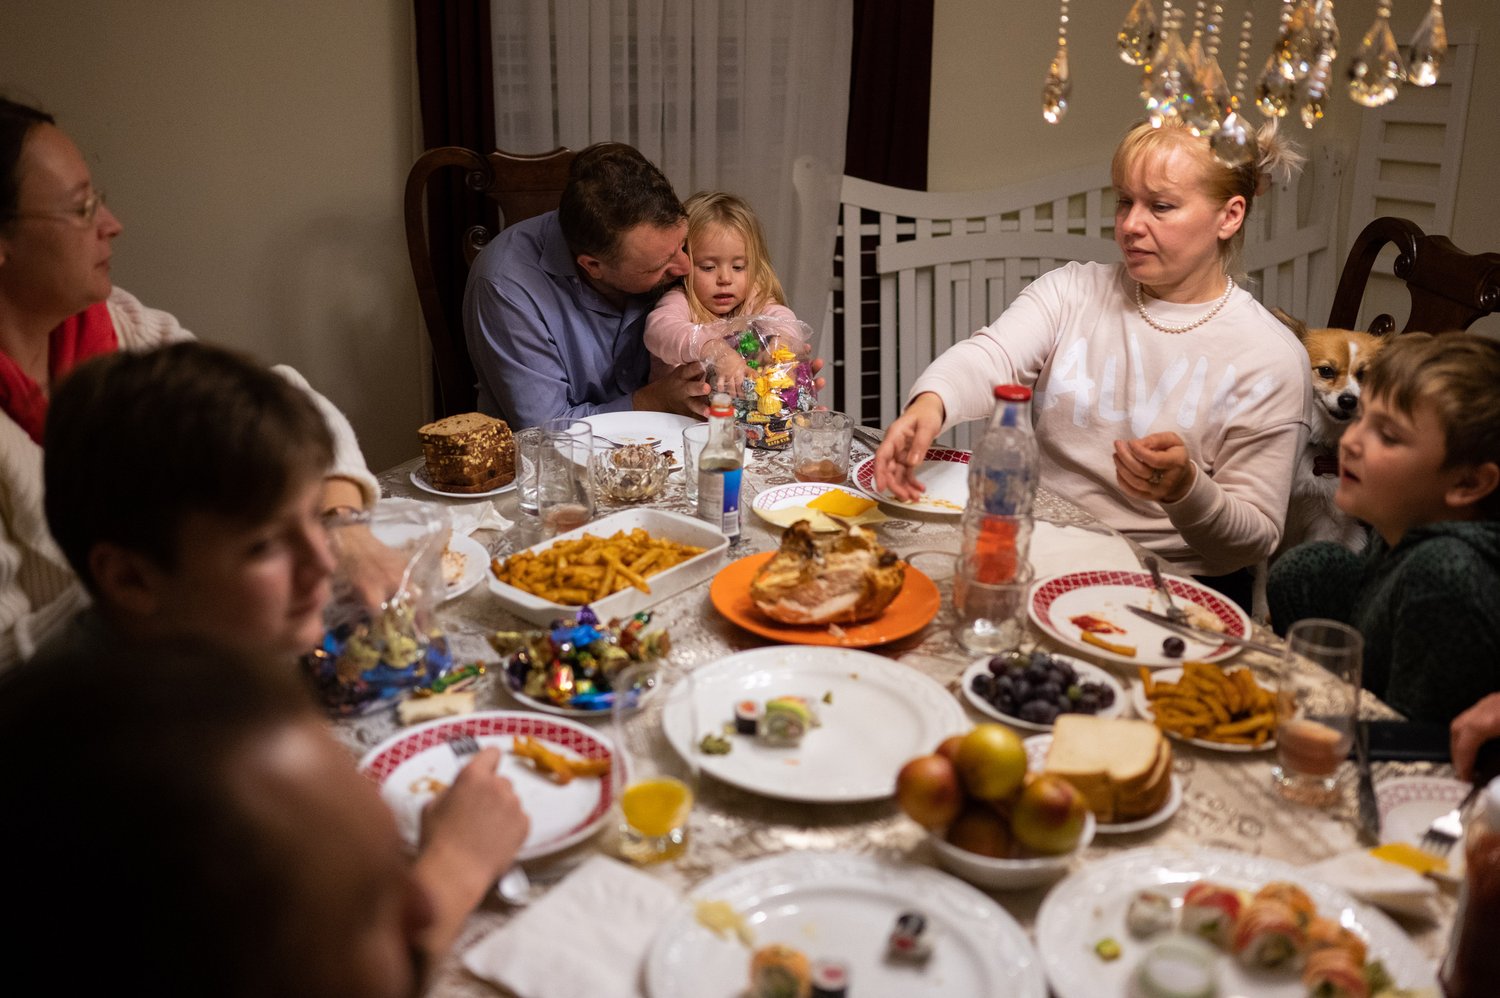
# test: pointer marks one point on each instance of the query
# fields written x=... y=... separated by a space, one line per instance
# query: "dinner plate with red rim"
x=911 y=610
x=1057 y=601
x=945 y=473
x=1036 y=761
x=414 y=765
x=419 y=478
x=1143 y=708
x=799 y=494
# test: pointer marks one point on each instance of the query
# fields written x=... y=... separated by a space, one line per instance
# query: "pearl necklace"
x=1140 y=306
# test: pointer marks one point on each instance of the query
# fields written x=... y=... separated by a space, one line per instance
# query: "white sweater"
x=38 y=591
x=1235 y=389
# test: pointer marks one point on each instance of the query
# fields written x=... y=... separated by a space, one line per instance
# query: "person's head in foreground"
x=1180 y=212
x=732 y=272
x=184 y=485
x=193 y=791
x=623 y=222
x=1425 y=444
x=55 y=229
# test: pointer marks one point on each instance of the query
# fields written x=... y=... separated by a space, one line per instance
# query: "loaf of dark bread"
x=469 y=452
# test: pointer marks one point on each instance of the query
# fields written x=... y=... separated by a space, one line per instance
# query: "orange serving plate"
x=911 y=610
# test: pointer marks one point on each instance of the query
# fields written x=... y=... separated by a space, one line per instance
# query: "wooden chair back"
x=456 y=201
x=1449 y=288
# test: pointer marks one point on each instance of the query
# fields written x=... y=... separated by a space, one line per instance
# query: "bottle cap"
x=1013 y=393
x=719 y=404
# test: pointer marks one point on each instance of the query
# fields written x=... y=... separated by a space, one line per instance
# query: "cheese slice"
x=1410 y=857
x=841 y=504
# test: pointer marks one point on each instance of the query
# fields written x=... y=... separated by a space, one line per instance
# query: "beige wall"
x=987 y=127
x=256 y=154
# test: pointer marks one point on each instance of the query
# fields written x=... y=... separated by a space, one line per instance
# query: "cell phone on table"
x=1406 y=741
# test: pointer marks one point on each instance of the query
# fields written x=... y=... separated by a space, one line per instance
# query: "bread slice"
x=469 y=452
x=1118 y=764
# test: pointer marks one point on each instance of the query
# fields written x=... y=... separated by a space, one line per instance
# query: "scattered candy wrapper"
x=573 y=663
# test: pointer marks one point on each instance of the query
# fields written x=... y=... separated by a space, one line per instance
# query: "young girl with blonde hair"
x=731 y=277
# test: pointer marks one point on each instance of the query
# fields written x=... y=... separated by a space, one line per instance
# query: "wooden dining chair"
x=479 y=195
x=1449 y=288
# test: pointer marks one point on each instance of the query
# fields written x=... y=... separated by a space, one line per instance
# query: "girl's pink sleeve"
x=671 y=334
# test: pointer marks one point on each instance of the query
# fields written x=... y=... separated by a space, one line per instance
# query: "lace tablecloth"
x=1228 y=800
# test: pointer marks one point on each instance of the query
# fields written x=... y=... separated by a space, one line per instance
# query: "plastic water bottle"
x=1002 y=489
x=720 y=469
x=1472 y=965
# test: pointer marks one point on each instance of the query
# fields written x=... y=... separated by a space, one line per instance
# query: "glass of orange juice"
x=654 y=789
x=1317 y=702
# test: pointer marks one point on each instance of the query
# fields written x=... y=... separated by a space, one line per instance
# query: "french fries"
x=1212 y=705
x=1089 y=637
x=590 y=568
x=558 y=768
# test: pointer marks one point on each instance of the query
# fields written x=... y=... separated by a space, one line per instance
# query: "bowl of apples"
x=990 y=821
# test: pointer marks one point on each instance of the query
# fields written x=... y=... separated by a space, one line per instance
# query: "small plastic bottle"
x=720 y=469
x=1002 y=488
x=1472 y=966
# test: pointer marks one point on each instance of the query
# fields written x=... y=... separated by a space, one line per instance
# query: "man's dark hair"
x=121 y=807
x=135 y=442
x=611 y=189
x=16 y=122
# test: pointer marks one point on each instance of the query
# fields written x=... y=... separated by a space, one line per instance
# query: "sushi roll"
x=909 y=940
x=778 y=971
x=787 y=720
x=1334 y=973
x=1325 y=933
x=1293 y=897
x=830 y=979
x=1268 y=934
x=1210 y=911
x=1150 y=913
x=747 y=717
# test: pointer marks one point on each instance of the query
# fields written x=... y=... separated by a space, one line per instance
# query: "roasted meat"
x=838 y=578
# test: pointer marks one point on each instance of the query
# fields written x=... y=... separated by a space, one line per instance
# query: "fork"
x=514 y=885
x=1153 y=565
x=1447 y=829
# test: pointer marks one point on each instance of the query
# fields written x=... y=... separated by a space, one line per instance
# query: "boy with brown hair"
x=1421 y=465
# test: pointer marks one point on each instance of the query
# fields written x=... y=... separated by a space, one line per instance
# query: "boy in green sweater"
x=1420 y=464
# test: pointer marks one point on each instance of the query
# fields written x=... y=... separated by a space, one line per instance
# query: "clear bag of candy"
x=765 y=362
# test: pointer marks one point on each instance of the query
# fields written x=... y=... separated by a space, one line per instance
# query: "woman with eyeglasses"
x=58 y=308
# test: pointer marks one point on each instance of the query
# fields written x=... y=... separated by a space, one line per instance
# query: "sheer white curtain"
x=721 y=94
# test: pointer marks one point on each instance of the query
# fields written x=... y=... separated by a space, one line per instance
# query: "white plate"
x=1408 y=804
x=410 y=766
x=944 y=472
x=883 y=713
x=1036 y=761
x=1090 y=905
x=1087 y=673
x=476 y=564
x=632 y=427
x=1143 y=708
x=843 y=906
x=799 y=494
x=1055 y=601
x=419 y=478
x=656 y=522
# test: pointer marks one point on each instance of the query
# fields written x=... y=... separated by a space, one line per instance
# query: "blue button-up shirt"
x=544 y=343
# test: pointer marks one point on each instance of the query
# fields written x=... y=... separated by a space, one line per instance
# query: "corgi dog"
x=1337 y=360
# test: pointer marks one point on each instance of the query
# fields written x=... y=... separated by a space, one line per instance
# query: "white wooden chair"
x=914 y=272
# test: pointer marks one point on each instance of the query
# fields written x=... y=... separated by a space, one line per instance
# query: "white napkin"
x=477 y=516
x=1056 y=549
x=1385 y=885
x=588 y=936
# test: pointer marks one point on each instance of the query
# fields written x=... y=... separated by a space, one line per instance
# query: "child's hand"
x=725 y=368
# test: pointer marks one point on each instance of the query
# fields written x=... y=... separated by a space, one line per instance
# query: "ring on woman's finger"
x=1155 y=478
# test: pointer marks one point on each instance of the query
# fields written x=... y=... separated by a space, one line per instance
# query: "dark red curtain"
x=890 y=86
x=455 y=83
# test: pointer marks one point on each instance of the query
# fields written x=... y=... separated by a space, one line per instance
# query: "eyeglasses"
x=85 y=213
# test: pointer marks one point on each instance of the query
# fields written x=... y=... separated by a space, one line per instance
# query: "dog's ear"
x=1297 y=326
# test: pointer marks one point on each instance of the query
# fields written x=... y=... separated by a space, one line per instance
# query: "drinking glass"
x=820 y=445
x=1317 y=701
x=528 y=442
x=564 y=494
x=991 y=615
x=693 y=439
x=653 y=787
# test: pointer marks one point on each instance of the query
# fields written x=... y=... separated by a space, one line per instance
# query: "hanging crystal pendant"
x=1056 y=88
x=1317 y=90
x=1376 y=72
x=1138 y=36
x=1172 y=89
x=1429 y=46
x=1231 y=143
x=1276 y=92
x=1297 y=46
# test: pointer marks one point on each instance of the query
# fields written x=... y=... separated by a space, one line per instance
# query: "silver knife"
x=1369 y=810
x=1203 y=633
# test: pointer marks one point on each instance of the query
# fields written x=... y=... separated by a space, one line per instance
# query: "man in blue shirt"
x=555 y=307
